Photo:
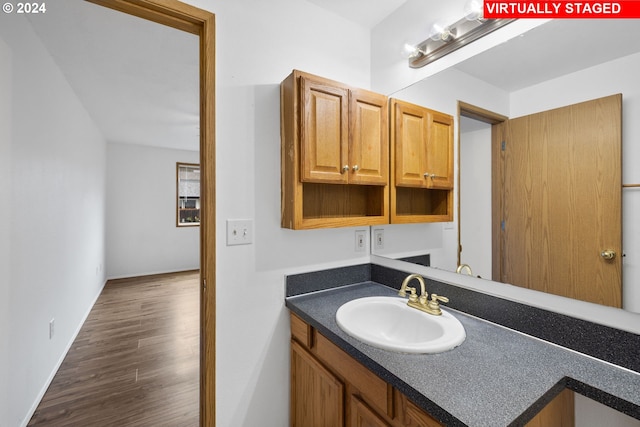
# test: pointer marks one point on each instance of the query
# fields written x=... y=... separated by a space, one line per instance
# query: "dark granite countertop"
x=496 y=377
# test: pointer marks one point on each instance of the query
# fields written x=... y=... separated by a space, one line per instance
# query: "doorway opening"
x=201 y=23
x=476 y=236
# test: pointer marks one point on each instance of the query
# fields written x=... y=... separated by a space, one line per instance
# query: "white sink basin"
x=388 y=323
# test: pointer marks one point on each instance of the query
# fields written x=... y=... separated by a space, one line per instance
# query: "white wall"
x=257 y=45
x=590 y=413
x=55 y=212
x=142 y=237
x=475 y=195
x=6 y=101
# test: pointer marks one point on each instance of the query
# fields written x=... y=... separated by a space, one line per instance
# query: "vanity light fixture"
x=445 y=39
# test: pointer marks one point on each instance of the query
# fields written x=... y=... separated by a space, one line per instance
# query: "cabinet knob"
x=345 y=168
x=429 y=175
x=356 y=168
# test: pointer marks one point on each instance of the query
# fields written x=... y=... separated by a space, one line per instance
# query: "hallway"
x=135 y=361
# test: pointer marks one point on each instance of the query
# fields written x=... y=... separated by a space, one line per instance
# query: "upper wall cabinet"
x=335 y=154
x=422 y=161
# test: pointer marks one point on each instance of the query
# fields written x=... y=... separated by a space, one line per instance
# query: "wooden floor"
x=135 y=361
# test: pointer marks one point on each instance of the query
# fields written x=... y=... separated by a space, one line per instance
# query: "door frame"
x=486 y=116
x=197 y=21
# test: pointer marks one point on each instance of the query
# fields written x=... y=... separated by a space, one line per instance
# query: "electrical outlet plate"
x=378 y=238
x=361 y=240
x=239 y=232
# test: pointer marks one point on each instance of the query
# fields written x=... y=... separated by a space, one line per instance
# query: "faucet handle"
x=435 y=298
x=434 y=304
x=412 y=297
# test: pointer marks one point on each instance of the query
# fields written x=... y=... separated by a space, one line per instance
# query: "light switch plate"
x=239 y=232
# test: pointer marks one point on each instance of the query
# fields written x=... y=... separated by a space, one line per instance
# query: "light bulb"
x=441 y=32
x=410 y=51
x=474 y=10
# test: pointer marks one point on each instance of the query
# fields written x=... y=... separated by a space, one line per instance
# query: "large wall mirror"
x=559 y=63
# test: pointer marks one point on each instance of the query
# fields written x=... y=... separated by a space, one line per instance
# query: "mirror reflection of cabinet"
x=422 y=164
x=335 y=154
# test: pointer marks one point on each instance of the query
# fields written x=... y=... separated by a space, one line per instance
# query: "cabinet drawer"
x=371 y=388
x=301 y=331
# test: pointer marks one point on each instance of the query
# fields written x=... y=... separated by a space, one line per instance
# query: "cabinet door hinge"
x=502 y=225
x=204 y=284
x=503 y=146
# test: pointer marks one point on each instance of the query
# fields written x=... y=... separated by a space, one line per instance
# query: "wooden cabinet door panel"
x=439 y=158
x=316 y=395
x=412 y=416
x=372 y=388
x=324 y=132
x=368 y=137
x=411 y=126
x=363 y=416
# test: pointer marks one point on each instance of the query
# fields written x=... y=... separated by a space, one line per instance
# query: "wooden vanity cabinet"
x=334 y=154
x=422 y=162
x=331 y=389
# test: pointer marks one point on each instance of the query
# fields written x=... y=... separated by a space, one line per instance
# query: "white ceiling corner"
x=138 y=80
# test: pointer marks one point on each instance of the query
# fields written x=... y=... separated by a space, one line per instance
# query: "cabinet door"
x=439 y=155
x=316 y=395
x=363 y=416
x=412 y=416
x=324 y=137
x=368 y=138
x=410 y=137
x=558 y=413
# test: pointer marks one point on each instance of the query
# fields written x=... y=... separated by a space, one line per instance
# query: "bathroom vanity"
x=497 y=377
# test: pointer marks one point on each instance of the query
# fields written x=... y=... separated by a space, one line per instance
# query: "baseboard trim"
x=44 y=389
x=149 y=274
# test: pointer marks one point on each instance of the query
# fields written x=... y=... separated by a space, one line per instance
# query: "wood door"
x=439 y=155
x=410 y=134
x=316 y=395
x=324 y=131
x=368 y=138
x=561 y=201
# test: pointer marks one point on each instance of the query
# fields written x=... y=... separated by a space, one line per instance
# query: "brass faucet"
x=420 y=303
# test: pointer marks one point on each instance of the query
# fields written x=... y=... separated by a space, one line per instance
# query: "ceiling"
x=554 y=49
x=367 y=13
x=139 y=80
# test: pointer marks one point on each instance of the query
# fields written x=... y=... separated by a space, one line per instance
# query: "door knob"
x=608 y=254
